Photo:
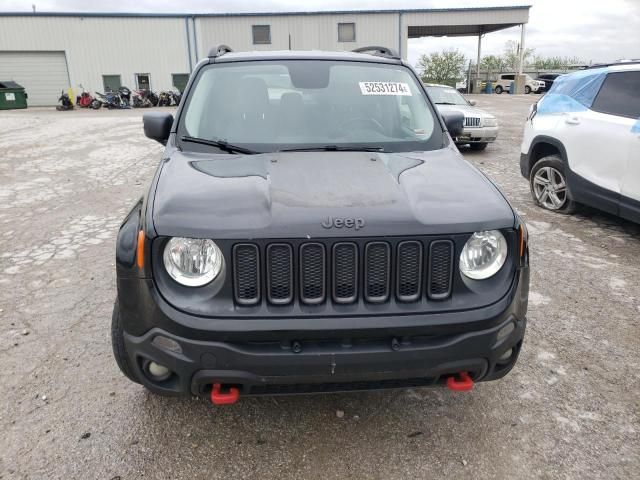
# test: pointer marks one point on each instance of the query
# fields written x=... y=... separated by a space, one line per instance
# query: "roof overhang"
x=417 y=31
x=468 y=22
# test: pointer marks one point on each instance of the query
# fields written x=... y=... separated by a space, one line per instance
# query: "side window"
x=508 y=77
x=346 y=32
x=261 y=34
x=619 y=95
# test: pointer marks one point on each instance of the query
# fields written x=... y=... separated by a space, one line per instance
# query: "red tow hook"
x=224 y=398
x=463 y=384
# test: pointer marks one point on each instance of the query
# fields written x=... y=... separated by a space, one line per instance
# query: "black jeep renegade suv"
x=311 y=227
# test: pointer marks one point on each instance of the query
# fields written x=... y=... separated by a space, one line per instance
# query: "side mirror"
x=157 y=126
x=454 y=121
x=472 y=103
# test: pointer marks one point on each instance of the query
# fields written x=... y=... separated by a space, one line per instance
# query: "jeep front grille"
x=440 y=269
x=246 y=269
x=344 y=272
x=377 y=263
x=280 y=273
x=471 y=121
x=313 y=274
x=409 y=282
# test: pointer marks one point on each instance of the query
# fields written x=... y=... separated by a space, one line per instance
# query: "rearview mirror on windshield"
x=454 y=121
x=157 y=126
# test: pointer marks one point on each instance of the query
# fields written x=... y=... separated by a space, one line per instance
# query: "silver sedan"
x=480 y=127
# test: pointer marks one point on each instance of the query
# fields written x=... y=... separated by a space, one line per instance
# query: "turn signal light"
x=140 y=250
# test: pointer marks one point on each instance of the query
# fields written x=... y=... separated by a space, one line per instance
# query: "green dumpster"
x=12 y=96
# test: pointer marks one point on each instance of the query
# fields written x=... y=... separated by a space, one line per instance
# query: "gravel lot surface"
x=569 y=409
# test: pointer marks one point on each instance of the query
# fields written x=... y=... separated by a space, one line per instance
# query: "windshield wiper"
x=221 y=144
x=446 y=103
x=335 y=148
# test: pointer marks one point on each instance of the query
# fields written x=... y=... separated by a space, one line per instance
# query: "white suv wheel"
x=550 y=188
x=549 y=185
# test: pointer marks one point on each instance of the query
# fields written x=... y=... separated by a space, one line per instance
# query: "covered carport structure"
x=463 y=22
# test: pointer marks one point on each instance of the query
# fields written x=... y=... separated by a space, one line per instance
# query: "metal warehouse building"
x=49 y=52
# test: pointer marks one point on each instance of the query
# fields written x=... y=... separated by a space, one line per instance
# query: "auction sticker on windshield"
x=385 y=88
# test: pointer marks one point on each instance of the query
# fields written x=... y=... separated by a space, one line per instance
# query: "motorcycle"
x=139 y=99
x=65 y=102
x=165 y=99
x=112 y=100
x=177 y=96
x=84 y=99
x=153 y=97
x=145 y=99
x=125 y=97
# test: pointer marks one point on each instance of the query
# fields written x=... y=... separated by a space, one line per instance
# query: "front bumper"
x=477 y=135
x=328 y=360
x=327 y=366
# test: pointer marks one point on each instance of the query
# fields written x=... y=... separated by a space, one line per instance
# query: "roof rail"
x=377 y=50
x=219 y=51
x=613 y=64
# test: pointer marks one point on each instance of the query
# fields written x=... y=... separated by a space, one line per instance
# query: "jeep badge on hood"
x=331 y=222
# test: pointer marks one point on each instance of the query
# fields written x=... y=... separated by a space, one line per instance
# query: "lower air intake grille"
x=290 y=389
x=246 y=274
x=440 y=269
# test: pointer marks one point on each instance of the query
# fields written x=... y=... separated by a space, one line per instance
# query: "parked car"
x=333 y=239
x=548 y=79
x=503 y=83
x=480 y=127
x=582 y=142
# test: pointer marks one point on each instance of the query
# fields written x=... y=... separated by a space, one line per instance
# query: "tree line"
x=450 y=66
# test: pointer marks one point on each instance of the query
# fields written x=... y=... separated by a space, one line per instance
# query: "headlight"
x=483 y=255
x=490 y=122
x=192 y=261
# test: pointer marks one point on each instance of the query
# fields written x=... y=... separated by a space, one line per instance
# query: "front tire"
x=549 y=188
x=119 y=347
x=499 y=90
x=478 y=146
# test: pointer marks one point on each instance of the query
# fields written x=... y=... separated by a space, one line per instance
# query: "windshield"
x=266 y=106
x=446 y=96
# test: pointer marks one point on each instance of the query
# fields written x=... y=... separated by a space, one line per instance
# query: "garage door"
x=42 y=74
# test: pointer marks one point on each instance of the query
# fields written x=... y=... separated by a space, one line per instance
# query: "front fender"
x=127 y=242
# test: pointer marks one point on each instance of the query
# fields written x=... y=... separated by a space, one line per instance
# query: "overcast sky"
x=593 y=30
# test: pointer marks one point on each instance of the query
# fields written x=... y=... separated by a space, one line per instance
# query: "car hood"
x=467 y=110
x=292 y=194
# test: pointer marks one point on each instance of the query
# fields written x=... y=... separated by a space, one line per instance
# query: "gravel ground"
x=569 y=409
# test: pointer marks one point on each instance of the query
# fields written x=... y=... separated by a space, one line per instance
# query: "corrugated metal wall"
x=311 y=32
x=97 y=46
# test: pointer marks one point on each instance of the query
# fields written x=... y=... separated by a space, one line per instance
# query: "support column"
x=520 y=78
x=479 y=55
x=477 y=85
x=522 y=28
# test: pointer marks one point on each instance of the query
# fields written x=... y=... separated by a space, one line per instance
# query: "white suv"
x=582 y=142
x=504 y=82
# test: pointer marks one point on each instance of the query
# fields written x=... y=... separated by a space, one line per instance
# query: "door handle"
x=572 y=120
